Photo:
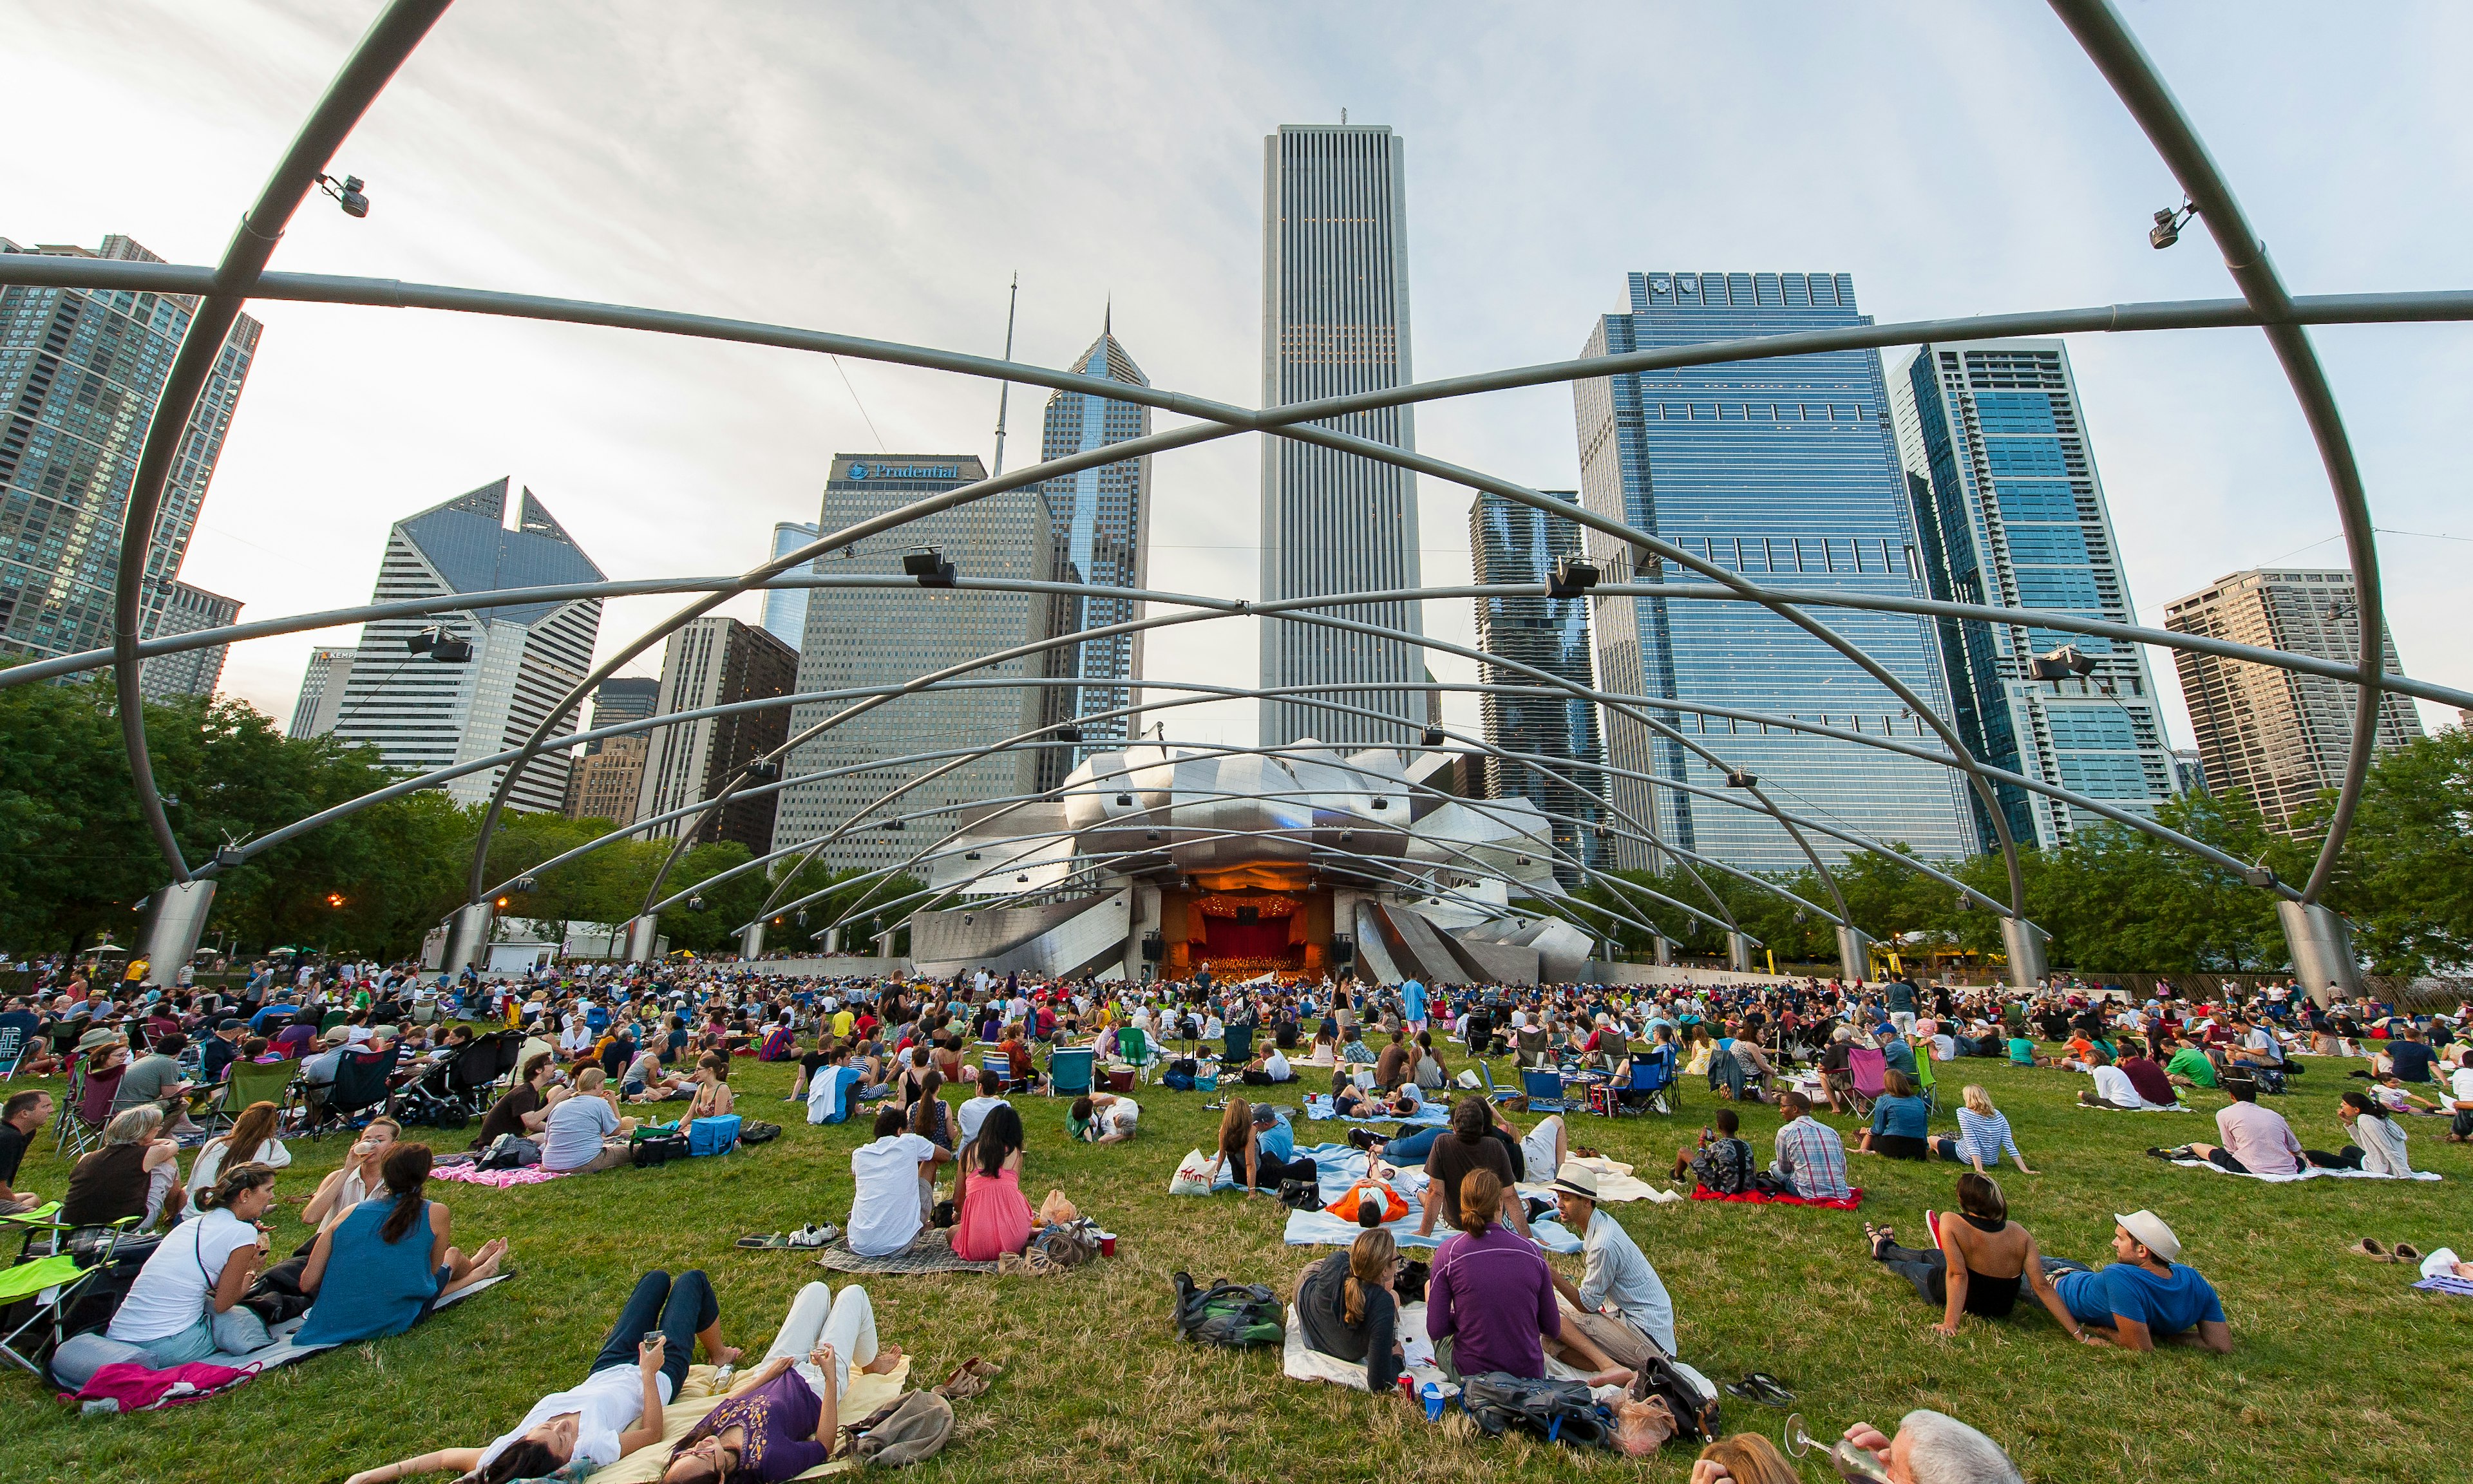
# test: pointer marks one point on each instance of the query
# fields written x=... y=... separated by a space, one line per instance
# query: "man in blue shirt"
x=1412 y=1006
x=1272 y=1135
x=2143 y=1299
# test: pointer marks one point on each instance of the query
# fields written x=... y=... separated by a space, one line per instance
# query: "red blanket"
x=1756 y=1198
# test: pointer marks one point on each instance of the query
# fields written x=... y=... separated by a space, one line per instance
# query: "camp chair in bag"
x=1069 y=1073
x=1545 y=1091
x=1867 y=1073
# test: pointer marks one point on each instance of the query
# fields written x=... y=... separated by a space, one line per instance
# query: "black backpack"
x=1557 y=1411
x=652 y=1149
x=1240 y=1316
x=1694 y=1413
x=759 y=1133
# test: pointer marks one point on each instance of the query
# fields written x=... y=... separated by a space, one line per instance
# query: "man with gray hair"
x=1934 y=1448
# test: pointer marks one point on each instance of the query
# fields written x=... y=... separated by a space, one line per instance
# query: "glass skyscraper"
x=859 y=637
x=2009 y=512
x=1098 y=530
x=1510 y=543
x=1335 y=321
x=785 y=608
x=1783 y=470
x=79 y=370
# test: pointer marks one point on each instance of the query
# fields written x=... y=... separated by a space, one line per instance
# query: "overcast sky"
x=882 y=169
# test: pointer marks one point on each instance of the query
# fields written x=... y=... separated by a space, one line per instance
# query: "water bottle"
x=721 y=1378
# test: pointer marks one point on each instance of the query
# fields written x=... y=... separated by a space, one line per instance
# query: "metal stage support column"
x=2321 y=943
x=1854 y=954
x=2024 y=943
x=1738 y=952
x=750 y=941
x=1663 y=947
x=468 y=938
x=176 y=919
x=832 y=941
x=644 y=938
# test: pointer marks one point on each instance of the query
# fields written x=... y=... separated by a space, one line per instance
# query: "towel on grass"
x=932 y=1253
x=1322 y=1229
x=1318 y=1109
x=1762 y=1198
x=1302 y=1362
x=2306 y=1172
x=1616 y=1183
x=2444 y=1283
x=527 y=1175
x=865 y=1394
x=282 y=1352
x=2150 y=1108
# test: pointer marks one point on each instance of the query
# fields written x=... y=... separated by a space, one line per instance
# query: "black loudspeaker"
x=1343 y=949
x=1153 y=950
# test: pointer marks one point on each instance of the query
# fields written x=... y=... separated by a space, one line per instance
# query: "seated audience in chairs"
x=1104 y=1119
x=185 y=1305
x=1931 y=1448
x=252 y=1136
x=785 y=1418
x=618 y=1408
x=1980 y=1261
x=20 y=1120
x=1901 y=1121
x=380 y=1270
x=1983 y=1135
x=1350 y=1311
x=1835 y=1079
x=1490 y=1303
x=1619 y=1303
x=1242 y=1152
x=1471 y=1144
x=885 y=1208
x=133 y=1174
x=1810 y=1157
x=360 y=1177
x=524 y=1110
x=2146 y=1297
x=1721 y=1161
x=583 y=1133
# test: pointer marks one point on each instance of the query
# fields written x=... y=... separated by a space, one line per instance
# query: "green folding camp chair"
x=248 y=1082
x=51 y=1283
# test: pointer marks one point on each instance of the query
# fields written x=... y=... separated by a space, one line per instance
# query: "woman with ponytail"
x=392 y=1258
x=1349 y=1309
x=185 y=1305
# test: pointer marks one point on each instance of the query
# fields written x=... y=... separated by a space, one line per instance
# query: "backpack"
x=1301 y=1194
x=759 y=1133
x=656 y=1149
x=903 y=1431
x=1177 y=1082
x=1240 y=1316
x=1557 y=1411
x=1696 y=1411
x=509 y=1152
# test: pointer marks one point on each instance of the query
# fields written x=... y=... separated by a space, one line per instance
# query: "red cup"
x=1107 y=1247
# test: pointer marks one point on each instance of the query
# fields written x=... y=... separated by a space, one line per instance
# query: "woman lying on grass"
x=782 y=1421
x=1978 y=1263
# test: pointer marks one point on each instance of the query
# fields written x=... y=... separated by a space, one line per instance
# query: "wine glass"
x=1850 y=1462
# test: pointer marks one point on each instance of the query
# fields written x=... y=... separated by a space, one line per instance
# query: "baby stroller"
x=450 y=1093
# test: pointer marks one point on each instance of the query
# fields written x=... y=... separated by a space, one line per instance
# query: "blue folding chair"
x=1543 y=1089
x=1650 y=1083
x=1069 y=1073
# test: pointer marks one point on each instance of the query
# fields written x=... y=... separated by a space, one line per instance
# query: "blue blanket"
x=1438 y=1115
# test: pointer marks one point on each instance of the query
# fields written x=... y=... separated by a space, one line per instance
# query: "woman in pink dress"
x=994 y=1218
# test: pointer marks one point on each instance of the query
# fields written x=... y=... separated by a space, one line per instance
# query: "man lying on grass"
x=2146 y=1298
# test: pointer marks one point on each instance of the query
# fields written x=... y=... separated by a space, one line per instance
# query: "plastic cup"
x=1433 y=1396
x=1107 y=1247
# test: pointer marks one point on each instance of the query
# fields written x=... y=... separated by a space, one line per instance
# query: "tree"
x=2407 y=878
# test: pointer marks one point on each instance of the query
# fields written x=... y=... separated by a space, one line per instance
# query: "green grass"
x=2340 y=1369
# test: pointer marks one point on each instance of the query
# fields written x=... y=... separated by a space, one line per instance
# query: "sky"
x=883 y=170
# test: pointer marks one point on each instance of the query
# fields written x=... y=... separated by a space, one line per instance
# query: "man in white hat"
x=2147 y=1298
x=1619 y=1303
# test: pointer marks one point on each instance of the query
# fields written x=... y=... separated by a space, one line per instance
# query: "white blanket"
x=2306 y=1172
x=1322 y=1229
x=282 y=1352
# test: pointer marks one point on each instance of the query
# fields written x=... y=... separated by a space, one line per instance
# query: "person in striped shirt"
x=1983 y=1136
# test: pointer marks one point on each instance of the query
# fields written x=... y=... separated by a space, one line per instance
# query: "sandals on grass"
x=969 y=1378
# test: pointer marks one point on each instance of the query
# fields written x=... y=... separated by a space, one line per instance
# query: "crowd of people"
x=931 y=1068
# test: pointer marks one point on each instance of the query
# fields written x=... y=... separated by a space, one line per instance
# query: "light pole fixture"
x=1742 y=778
x=2060 y=664
x=2169 y=223
x=928 y=565
x=347 y=192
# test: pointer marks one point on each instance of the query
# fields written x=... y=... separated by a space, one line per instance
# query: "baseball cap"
x=2149 y=1228
x=1577 y=1179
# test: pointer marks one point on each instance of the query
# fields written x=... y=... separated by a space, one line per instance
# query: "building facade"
x=1512 y=543
x=419 y=712
x=2009 y=512
x=785 y=608
x=80 y=370
x=622 y=699
x=1335 y=321
x=868 y=637
x=2279 y=736
x=716 y=661
x=1783 y=470
x=2189 y=772
x=1099 y=532
x=322 y=693
x=605 y=786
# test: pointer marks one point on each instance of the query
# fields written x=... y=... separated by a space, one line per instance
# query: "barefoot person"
x=1979 y=1261
x=390 y=1260
x=782 y=1421
x=618 y=1408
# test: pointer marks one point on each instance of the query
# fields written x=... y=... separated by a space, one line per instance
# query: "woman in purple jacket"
x=1490 y=1303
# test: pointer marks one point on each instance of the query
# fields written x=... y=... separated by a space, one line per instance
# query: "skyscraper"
x=421 y=712
x=1509 y=542
x=868 y=637
x=2279 y=736
x=718 y=662
x=1783 y=470
x=606 y=785
x=619 y=700
x=2009 y=511
x=79 y=370
x=785 y=608
x=1335 y=321
x=1098 y=529
x=322 y=693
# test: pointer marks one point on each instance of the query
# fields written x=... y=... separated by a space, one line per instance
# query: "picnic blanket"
x=1318 y=1109
x=1700 y=1192
x=470 y=1175
x=283 y=1353
x=1616 y=1183
x=866 y=1394
x=932 y=1253
x=2306 y=1172
x=2162 y=1108
x=2443 y=1284
x=1322 y=1229
x=1338 y=1167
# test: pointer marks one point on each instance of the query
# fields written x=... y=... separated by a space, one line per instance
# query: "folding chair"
x=1867 y=1073
x=360 y=1086
x=1650 y=1083
x=1070 y=1072
x=1236 y=1048
x=75 y=1136
x=1493 y=1093
x=14 y=1044
x=1134 y=1048
x=1543 y=1089
x=247 y=1082
x=50 y=1281
x=1925 y=1080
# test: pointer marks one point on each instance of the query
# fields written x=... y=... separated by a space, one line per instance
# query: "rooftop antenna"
x=1004 y=390
x=1343 y=118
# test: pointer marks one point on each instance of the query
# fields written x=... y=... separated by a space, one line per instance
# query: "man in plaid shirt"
x=1808 y=1152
